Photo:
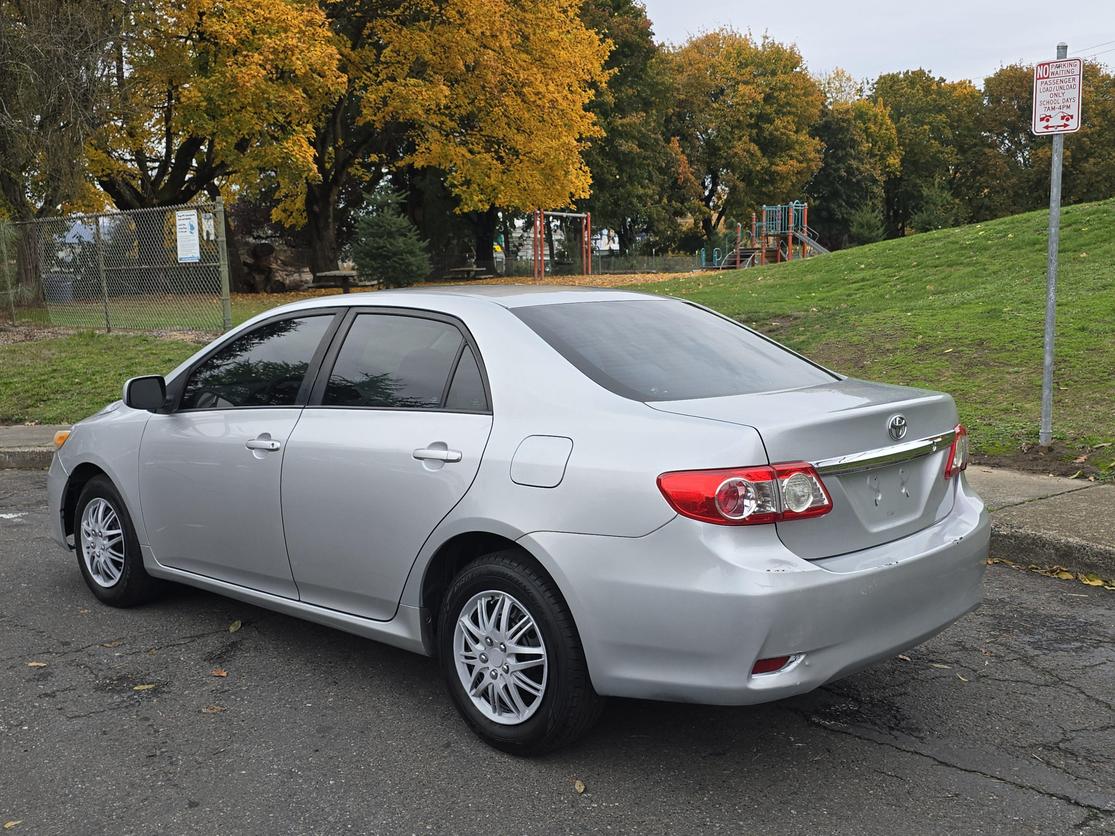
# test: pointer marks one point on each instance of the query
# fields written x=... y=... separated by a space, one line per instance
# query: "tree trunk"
x=321 y=223
x=484 y=233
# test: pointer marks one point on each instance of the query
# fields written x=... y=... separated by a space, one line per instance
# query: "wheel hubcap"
x=501 y=657
x=102 y=542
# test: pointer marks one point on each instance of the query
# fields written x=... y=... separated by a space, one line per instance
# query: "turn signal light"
x=747 y=495
x=957 y=462
x=60 y=438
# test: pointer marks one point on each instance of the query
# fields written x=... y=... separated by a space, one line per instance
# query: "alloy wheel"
x=102 y=542
x=500 y=657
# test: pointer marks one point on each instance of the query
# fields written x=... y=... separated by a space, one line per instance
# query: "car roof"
x=506 y=295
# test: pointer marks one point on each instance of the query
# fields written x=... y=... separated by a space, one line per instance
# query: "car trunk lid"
x=882 y=487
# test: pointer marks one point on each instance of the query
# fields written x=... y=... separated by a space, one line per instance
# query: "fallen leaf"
x=234 y=626
x=8 y=825
x=962 y=679
x=212 y=709
x=903 y=657
x=221 y=672
x=1076 y=475
x=939 y=666
x=948 y=351
x=111 y=644
x=1080 y=460
x=1065 y=576
x=579 y=786
x=1091 y=580
x=36 y=664
x=147 y=686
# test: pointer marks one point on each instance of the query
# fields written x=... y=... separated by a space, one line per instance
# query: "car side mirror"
x=147 y=392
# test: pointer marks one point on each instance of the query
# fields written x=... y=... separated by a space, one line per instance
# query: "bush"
x=387 y=247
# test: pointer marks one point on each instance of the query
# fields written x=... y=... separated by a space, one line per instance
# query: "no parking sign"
x=1057 y=96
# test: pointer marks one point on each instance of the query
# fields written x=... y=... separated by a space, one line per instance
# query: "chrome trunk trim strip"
x=884 y=455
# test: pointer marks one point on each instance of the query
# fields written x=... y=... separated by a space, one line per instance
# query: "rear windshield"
x=666 y=350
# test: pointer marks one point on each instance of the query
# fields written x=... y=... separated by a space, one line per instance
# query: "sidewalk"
x=1042 y=520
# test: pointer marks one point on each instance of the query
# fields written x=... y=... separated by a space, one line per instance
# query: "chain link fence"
x=163 y=269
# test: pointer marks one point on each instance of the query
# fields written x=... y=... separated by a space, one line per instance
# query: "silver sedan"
x=561 y=494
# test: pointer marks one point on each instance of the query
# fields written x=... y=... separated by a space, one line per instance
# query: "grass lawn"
x=959 y=310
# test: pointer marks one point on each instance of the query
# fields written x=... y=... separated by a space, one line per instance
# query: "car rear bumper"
x=684 y=613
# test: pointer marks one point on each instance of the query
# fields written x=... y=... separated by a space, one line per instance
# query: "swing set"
x=539 y=240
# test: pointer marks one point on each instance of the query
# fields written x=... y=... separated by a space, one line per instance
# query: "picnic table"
x=472 y=272
x=344 y=279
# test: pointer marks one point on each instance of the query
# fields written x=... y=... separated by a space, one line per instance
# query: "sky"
x=956 y=39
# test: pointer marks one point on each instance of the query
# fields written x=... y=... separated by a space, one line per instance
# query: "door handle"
x=262 y=443
x=438 y=455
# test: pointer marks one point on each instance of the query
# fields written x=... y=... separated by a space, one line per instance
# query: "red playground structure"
x=778 y=233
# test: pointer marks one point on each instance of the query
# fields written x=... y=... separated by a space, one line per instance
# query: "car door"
x=390 y=442
x=209 y=468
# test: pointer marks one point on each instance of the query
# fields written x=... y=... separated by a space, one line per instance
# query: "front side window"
x=264 y=367
x=390 y=361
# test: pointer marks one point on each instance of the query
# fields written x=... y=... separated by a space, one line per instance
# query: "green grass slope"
x=960 y=310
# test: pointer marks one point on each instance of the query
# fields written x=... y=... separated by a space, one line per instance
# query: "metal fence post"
x=222 y=258
x=99 y=246
x=4 y=226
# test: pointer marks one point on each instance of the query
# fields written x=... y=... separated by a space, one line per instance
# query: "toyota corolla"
x=561 y=494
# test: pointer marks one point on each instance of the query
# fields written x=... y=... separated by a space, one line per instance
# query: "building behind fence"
x=144 y=269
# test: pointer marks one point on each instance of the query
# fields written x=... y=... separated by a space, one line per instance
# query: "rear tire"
x=107 y=547
x=522 y=684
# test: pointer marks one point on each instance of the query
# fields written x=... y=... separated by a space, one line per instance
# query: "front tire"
x=512 y=658
x=107 y=547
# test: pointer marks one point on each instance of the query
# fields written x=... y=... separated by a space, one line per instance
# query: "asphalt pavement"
x=118 y=721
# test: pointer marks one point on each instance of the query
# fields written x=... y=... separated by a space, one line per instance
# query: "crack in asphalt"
x=1107 y=807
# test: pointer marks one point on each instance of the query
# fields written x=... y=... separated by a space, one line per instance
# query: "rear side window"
x=666 y=350
x=264 y=367
x=400 y=362
x=466 y=392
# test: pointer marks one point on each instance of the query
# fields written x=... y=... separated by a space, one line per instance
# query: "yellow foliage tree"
x=492 y=93
x=214 y=92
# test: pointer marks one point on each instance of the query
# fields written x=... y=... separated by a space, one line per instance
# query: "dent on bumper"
x=683 y=613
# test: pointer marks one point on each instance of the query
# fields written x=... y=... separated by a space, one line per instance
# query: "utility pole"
x=1045 y=434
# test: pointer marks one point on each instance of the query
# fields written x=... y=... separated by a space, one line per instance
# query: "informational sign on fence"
x=189 y=242
x=1057 y=86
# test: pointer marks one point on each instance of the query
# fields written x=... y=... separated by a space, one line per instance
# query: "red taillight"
x=957 y=462
x=747 y=495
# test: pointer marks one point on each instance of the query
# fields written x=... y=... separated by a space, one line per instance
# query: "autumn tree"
x=53 y=65
x=490 y=93
x=212 y=92
x=742 y=116
x=860 y=153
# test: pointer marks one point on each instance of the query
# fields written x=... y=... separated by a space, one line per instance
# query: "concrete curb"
x=25 y=458
x=1042 y=549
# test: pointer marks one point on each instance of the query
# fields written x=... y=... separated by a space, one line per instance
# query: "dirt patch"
x=10 y=334
x=1059 y=460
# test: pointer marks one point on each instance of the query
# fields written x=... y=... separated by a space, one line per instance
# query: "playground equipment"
x=778 y=233
x=539 y=241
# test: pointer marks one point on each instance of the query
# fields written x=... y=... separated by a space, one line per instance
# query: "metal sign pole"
x=1045 y=434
